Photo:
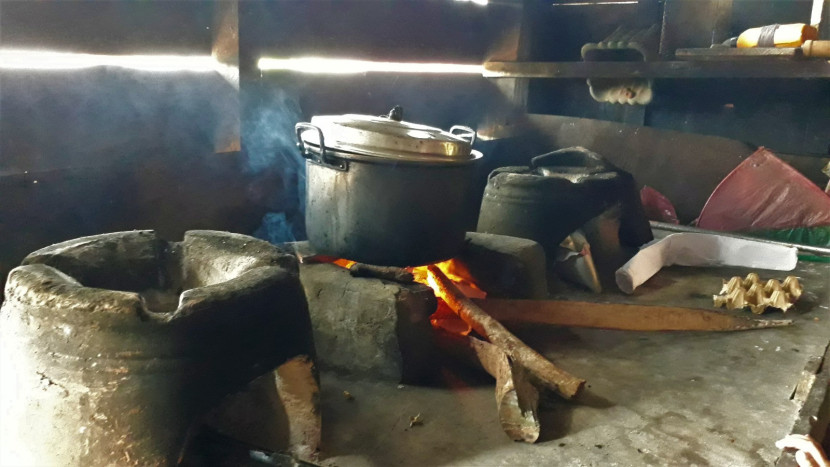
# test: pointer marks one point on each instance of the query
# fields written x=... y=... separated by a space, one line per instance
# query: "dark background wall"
x=403 y=31
x=113 y=149
x=105 y=149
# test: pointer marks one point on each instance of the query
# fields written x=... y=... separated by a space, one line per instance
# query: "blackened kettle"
x=558 y=193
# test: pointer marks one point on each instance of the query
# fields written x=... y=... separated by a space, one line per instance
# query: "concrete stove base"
x=369 y=327
x=380 y=329
x=679 y=398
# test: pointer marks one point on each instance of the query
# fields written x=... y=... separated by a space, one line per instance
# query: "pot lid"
x=574 y=164
x=390 y=137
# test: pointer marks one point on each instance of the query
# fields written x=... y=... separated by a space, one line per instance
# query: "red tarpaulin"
x=763 y=192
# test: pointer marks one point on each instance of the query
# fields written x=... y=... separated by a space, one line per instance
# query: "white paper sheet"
x=699 y=249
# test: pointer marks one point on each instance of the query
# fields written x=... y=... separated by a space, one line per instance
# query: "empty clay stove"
x=113 y=345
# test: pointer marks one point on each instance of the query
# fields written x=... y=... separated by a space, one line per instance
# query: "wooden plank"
x=620 y=316
x=668 y=69
x=729 y=53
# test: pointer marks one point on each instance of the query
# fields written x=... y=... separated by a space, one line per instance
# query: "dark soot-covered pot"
x=556 y=195
x=384 y=191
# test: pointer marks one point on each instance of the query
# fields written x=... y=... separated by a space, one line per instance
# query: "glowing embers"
x=344 y=263
x=22 y=59
x=340 y=66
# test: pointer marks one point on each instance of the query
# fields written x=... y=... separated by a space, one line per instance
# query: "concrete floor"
x=677 y=398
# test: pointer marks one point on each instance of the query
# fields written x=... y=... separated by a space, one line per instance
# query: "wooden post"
x=225 y=51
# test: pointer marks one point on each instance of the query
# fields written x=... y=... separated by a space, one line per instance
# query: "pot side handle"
x=467 y=133
x=301 y=128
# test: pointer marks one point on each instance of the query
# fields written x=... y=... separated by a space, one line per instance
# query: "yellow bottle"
x=777 y=35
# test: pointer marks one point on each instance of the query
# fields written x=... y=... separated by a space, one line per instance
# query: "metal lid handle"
x=468 y=132
x=395 y=114
x=569 y=157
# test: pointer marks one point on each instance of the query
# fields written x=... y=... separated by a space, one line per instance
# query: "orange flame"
x=457 y=272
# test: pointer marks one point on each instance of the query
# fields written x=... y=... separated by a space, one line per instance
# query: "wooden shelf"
x=776 y=68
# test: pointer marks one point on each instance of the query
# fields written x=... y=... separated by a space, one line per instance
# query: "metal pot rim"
x=400 y=158
x=387 y=137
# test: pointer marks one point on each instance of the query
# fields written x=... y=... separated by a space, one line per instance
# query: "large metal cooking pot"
x=556 y=195
x=384 y=191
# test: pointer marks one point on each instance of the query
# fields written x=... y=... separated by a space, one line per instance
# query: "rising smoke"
x=269 y=144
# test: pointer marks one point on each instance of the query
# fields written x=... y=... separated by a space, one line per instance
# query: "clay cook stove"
x=113 y=346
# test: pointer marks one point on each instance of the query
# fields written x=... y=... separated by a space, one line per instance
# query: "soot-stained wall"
x=103 y=149
x=86 y=151
x=91 y=151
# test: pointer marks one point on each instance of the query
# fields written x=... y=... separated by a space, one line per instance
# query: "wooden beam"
x=669 y=69
x=514 y=45
x=225 y=50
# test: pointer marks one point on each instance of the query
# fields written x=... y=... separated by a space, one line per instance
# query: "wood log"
x=539 y=368
x=299 y=392
x=279 y=407
x=517 y=398
x=389 y=273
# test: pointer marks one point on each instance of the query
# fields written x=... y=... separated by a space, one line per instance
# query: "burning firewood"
x=517 y=398
x=389 y=273
x=519 y=354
